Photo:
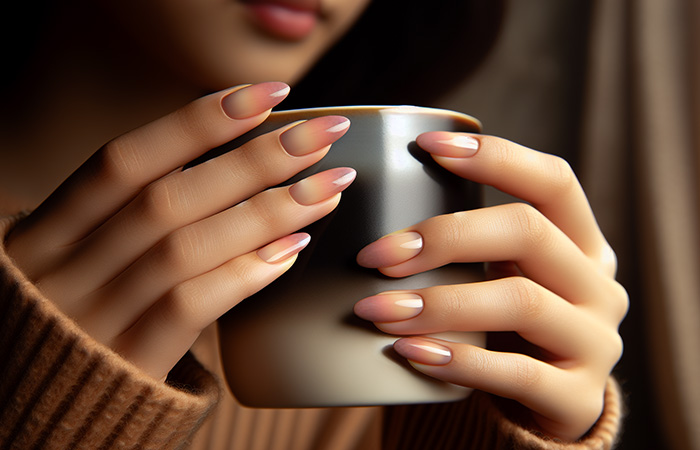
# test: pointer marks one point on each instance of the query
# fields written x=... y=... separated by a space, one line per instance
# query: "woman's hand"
x=143 y=255
x=550 y=279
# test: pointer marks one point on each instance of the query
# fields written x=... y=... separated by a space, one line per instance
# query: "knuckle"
x=192 y=124
x=114 y=163
x=524 y=298
x=611 y=348
x=182 y=306
x=253 y=162
x=526 y=374
x=179 y=251
x=452 y=303
x=264 y=211
x=561 y=175
x=617 y=347
x=620 y=301
x=247 y=280
x=158 y=204
x=607 y=260
x=531 y=225
x=452 y=234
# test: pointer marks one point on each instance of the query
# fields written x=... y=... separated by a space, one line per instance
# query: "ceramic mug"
x=297 y=342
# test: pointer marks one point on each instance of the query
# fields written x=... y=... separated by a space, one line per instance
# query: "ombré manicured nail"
x=284 y=248
x=389 y=307
x=423 y=351
x=452 y=145
x=322 y=186
x=254 y=99
x=391 y=250
x=314 y=134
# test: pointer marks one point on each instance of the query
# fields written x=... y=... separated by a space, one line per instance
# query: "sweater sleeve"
x=61 y=389
x=479 y=423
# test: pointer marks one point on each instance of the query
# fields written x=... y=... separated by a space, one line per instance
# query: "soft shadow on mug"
x=297 y=343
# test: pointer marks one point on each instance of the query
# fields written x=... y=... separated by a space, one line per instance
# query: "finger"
x=169 y=328
x=183 y=198
x=515 y=304
x=120 y=169
x=205 y=245
x=542 y=388
x=543 y=180
x=513 y=232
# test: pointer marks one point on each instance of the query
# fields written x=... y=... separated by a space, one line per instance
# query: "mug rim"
x=391 y=109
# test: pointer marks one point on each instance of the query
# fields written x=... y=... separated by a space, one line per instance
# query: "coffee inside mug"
x=297 y=342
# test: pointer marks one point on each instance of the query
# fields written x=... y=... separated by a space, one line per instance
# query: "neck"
x=83 y=88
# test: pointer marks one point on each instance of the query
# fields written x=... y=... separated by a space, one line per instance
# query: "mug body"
x=297 y=342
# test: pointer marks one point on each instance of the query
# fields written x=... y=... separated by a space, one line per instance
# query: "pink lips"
x=287 y=19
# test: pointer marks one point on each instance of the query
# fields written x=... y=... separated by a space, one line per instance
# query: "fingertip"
x=449 y=144
x=391 y=250
x=284 y=249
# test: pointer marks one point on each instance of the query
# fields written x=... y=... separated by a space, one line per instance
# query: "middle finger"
x=514 y=232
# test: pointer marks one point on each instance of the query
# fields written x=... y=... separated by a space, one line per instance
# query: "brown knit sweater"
x=59 y=389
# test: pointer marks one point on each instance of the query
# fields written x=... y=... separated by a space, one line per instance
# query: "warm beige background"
x=610 y=87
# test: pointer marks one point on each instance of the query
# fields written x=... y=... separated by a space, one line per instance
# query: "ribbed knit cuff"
x=478 y=423
x=61 y=389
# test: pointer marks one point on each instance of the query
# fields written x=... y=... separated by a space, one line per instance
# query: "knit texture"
x=479 y=423
x=61 y=389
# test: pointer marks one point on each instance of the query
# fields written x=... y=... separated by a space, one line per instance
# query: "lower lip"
x=283 y=22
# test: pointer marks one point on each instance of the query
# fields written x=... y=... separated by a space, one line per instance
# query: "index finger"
x=122 y=167
x=545 y=181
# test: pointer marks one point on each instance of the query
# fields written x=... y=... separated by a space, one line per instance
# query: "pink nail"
x=452 y=145
x=322 y=186
x=314 y=134
x=391 y=250
x=284 y=248
x=389 y=307
x=254 y=99
x=423 y=351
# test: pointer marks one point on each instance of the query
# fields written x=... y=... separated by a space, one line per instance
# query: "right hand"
x=143 y=255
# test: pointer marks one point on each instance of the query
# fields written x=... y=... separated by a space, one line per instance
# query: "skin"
x=186 y=246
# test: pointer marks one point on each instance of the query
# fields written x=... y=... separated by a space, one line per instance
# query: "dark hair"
x=402 y=52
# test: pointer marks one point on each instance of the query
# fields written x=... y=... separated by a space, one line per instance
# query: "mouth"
x=291 y=20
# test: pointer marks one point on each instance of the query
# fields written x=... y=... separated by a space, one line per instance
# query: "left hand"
x=550 y=279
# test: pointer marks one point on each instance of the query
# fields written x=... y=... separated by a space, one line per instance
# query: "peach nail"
x=391 y=250
x=314 y=134
x=322 y=186
x=452 y=145
x=254 y=99
x=389 y=307
x=423 y=351
x=284 y=248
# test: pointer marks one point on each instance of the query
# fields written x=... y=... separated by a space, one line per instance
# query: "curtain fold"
x=640 y=156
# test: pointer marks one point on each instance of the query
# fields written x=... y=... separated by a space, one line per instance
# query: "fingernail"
x=314 y=134
x=423 y=351
x=452 y=145
x=389 y=307
x=284 y=248
x=254 y=99
x=322 y=186
x=391 y=250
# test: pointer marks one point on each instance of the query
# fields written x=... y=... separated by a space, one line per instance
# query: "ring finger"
x=511 y=304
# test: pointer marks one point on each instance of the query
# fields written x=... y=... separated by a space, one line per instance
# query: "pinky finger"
x=542 y=388
x=169 y=328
